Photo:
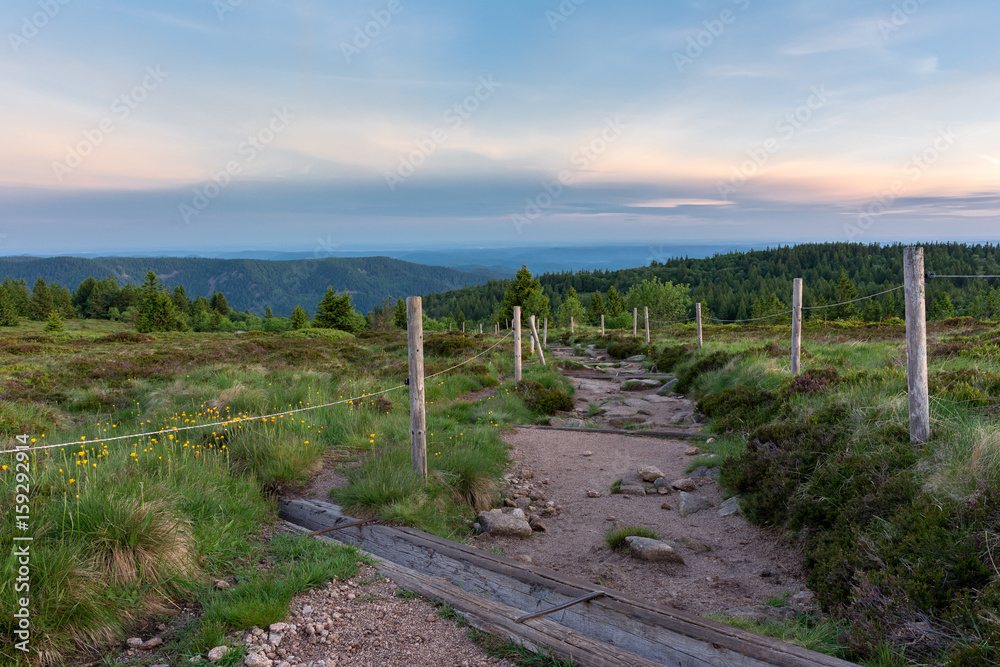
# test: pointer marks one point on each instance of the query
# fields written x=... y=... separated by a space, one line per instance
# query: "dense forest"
x=252 y=283
x=742 y=285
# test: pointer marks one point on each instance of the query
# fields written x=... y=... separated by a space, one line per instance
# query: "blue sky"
x=228 y=124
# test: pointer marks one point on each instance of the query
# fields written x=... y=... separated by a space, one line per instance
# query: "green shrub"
x=671 y=356
x=623 y=349
x=544 y=400
x=711 y=362
x=814 y=380
x=615 y=538
x=739 y=408
x=448 y=344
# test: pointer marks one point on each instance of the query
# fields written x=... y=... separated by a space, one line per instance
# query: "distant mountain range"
x=258 y=283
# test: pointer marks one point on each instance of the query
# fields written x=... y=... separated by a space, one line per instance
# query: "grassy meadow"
x=126 y=531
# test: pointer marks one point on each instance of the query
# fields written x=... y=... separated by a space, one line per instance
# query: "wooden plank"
x=654 y=632
x=618 y=431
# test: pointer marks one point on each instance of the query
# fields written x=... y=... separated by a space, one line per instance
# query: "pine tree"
x=571 y=308
x=219 y=303
x=596 y=308
x=54 y=323
x=399 y=315
x=843 y=292
x=519 y=292
x=8 y=316
x=335 y=311
x=157 y=311
x=300 y=318
x=41 y=300
x=180 y=299
x=615 y=303
x=268 y=314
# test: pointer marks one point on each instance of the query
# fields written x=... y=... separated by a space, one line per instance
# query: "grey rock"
x=711 y=472
x=633 y=489
x=497 y=523
x=150 y=644
x=638 y=357
x=522 y=502
x=649 y=473
x=221 y=584
x=556 y=421
x=730 y=506
x=134 y=642
x=574 y=423
x=274 y=639
x=645 y=548
x=525 y=558
x=685 y=484
x=691 y=503
x=218 y=653
x=690 y=543
x=638 y=385
x=591 y=493
x=659 y=482
x=663 y=491
x=536 y=523
x=636 y=402
x=256 y=660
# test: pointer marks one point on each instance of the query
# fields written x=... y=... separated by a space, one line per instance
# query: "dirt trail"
x=727 y=562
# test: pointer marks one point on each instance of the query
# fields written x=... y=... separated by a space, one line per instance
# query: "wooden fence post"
x=797 y=326
x=916 y=344
x=602 y=325
x=701 y=333
x=531 y=339
x=645 y=310
x=534 y=338
x=635 y=323
x=572 y=325
x=545 y=337
x=418 y=418
x=517 y=344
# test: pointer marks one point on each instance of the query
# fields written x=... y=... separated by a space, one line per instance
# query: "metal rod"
x=564 y=605
x=350 y=524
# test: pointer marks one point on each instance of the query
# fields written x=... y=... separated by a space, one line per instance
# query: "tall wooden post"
x=545 y=336
x=602 y=326
x=701 y=332
x=645 y=310
x=635 y=323
x=796 y=326
x=517 y=344
x=534 y=338
x=418 y=418
x=572 y=325
x=916 y=344
x=531 y=339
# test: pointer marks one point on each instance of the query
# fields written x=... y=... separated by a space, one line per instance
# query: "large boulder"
x=513 y=524
x=691 y=503
x=649 y=473
x=645 y=548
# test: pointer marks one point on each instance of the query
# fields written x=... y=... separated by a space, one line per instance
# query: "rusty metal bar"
x=350 y=524
x=564 y=605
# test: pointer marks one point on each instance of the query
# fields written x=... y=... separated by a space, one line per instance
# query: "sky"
x=308 y=125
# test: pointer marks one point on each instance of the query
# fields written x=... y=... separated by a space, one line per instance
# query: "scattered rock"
x=556 y=421
x=522 y=502
x=150 y=644
x=690 y=543
x=665 y=506
x=692 y=451
x=803 y=598
x=645 y=548
x=134 y=642
x=663 y=491
x=525 y=558
x=536 y=523
x=636 y=402
x=611 y=518
x=527 y=474
x=710 y=472
x=730 y=506
x=218 y=653
x=710 y=441
x=649 y=473
x=574 y=423
x=496 y=522
x=659 y=482
x=668 y=388
x=686 y=484
x=691 y=503
x=588 y=453
x=633 y=489
x=593 y=494
x=256 y=660
x=221 y=584
x=638 y=357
